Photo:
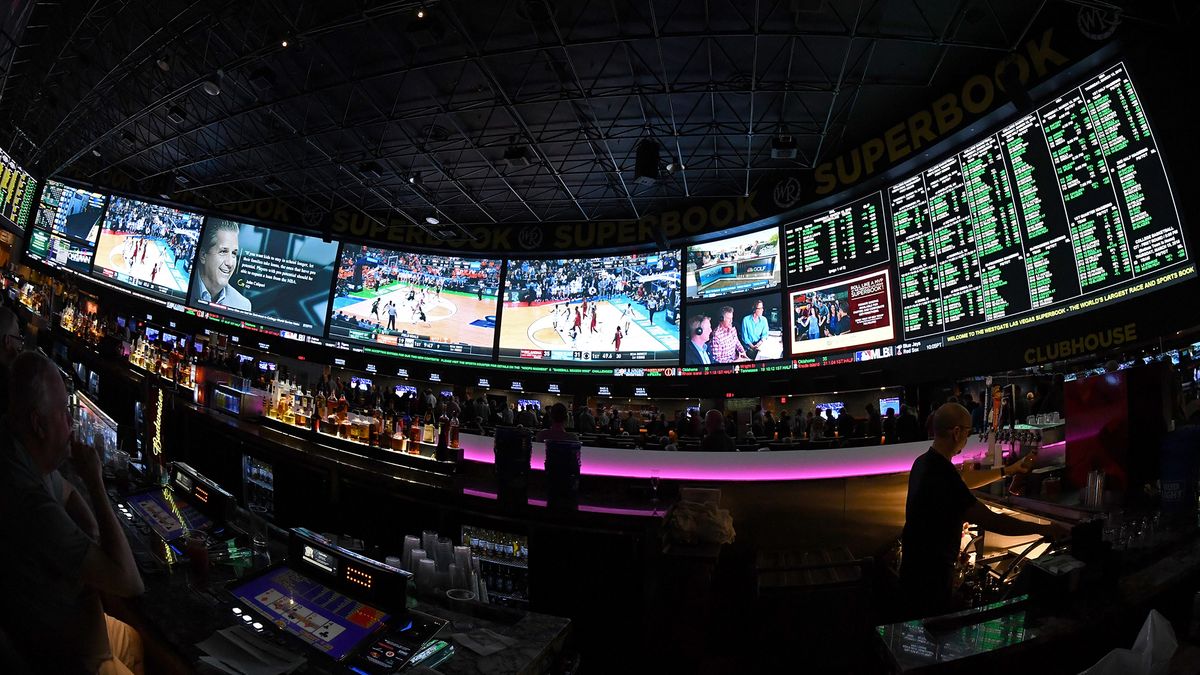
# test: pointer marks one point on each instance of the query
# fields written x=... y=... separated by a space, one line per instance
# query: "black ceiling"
x=373 y=106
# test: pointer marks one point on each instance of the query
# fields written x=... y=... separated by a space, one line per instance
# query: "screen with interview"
x=265 y=276
x=742 y=329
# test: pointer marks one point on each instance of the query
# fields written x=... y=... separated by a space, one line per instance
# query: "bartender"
x=939 y=502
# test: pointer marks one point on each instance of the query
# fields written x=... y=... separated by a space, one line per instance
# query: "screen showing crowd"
x=735 y=330
x=148 y=246
x=735 y=265
x=850 y=313
x=266 y=276
x=618 y=308
x=414 y=301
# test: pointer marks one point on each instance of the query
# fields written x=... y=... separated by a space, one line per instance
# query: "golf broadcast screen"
x=265 y=276
x=148 y=247
x=747 y=262
x=415 y=301
x=612 y=309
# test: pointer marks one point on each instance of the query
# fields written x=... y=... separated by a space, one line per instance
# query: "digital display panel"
x=148 y=247
x=1066 y=202
x=59 y=251
x=17 y=189
x=168 y=515
x=733 y=330
x=841 y=240
x=849 y=313
x=330 y=622
x=746 y=262
x=70 y=212
x=613 y=309
x=832 y=408
x=890 y=403
x=263 y=275
x=416 y=301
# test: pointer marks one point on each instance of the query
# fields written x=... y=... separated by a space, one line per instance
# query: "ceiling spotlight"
x=432 y=220
x=420 y=14
x=212 y=87
x=414 y=178
x=283 y=44
x=164 y=63
x=95 y=152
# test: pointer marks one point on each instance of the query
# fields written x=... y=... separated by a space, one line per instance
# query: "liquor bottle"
x=443 y=436
x=454 y=432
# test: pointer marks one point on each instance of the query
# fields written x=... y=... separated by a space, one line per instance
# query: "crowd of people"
x=381 y=267
x=647 y=283
x=178 y=231
x=820 y=315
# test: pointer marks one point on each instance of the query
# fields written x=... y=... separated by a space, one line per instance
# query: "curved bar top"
x=870 y=460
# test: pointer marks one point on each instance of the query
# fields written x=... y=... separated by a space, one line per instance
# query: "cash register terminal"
x=337 y=604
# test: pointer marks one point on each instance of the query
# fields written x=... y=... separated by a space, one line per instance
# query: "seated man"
x=60 y=553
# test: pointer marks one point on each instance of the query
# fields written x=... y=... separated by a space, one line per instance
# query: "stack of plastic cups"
x=418 y=554
x=428 y=541
x=411 y=543
x=444 y=553
x=394 y=561
x=426 y=577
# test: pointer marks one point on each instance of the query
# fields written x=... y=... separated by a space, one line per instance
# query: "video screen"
x=619 y=308
x=168 y=340
x=834 y=408
x=845 y=314
x=890 y=403
x=734 y=330
x=169 y=516
x=746 y=262
x=60 y=251
x=262 y=275
x=402 y=389
x=529 y=403
x=414 y=301
x=17 y=188
x=360 y=383
x=266 y=366
x=148 y=247
x=151 y=334
x=330 y=622
x=70 y=212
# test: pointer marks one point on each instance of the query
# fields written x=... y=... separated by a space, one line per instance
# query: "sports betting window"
x=612 y=309
x=17 y=188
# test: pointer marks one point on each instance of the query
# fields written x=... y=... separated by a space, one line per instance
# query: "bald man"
x=62 y=552
x=715 y=438
x=939 y=502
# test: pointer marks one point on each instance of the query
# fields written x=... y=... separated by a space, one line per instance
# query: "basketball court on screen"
x=116 y=251
x=548 y=326
x=449 y=317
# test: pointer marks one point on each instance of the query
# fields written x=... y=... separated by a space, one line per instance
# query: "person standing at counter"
x=939 y=502
x=558 y=429
x=715 y=439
